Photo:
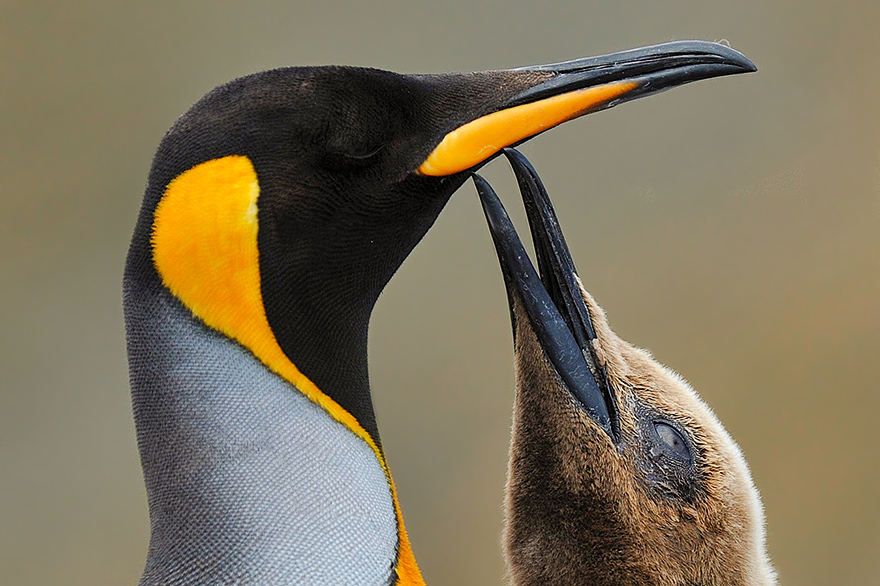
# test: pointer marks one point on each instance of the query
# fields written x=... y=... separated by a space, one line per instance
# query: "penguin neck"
x=323 y=266
x=246 y=464
x=247 y=478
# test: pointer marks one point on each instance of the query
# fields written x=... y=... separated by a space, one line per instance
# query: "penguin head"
x=619 y=473
x=338 y=172
x=307 y=179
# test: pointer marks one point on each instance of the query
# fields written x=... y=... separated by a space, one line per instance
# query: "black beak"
x=651 y=69
x=567 y=90
x=553 y=302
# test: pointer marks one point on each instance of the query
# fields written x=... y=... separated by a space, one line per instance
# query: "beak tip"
x=734 y=57
x=746 y=64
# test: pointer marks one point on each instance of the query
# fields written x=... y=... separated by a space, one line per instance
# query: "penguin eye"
x=354 y=158
x=365 y=155
x=672 y=440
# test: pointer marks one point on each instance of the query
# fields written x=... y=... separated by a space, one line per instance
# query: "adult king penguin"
x=275 y=212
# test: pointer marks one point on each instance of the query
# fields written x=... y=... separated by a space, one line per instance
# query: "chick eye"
x=672 y=440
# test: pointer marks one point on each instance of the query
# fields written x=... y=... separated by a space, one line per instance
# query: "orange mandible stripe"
x=479 y=139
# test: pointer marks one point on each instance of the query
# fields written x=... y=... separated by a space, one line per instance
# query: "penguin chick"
x=619 y=473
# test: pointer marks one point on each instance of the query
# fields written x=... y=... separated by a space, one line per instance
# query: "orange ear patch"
x=205 y=249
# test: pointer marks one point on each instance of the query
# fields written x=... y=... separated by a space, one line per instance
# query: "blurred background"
x=732 y=227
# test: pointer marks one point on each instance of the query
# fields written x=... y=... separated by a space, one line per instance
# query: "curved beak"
x=562 y=91
x=553 y=301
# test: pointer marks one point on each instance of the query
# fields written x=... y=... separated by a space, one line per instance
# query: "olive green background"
x=731 y=226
